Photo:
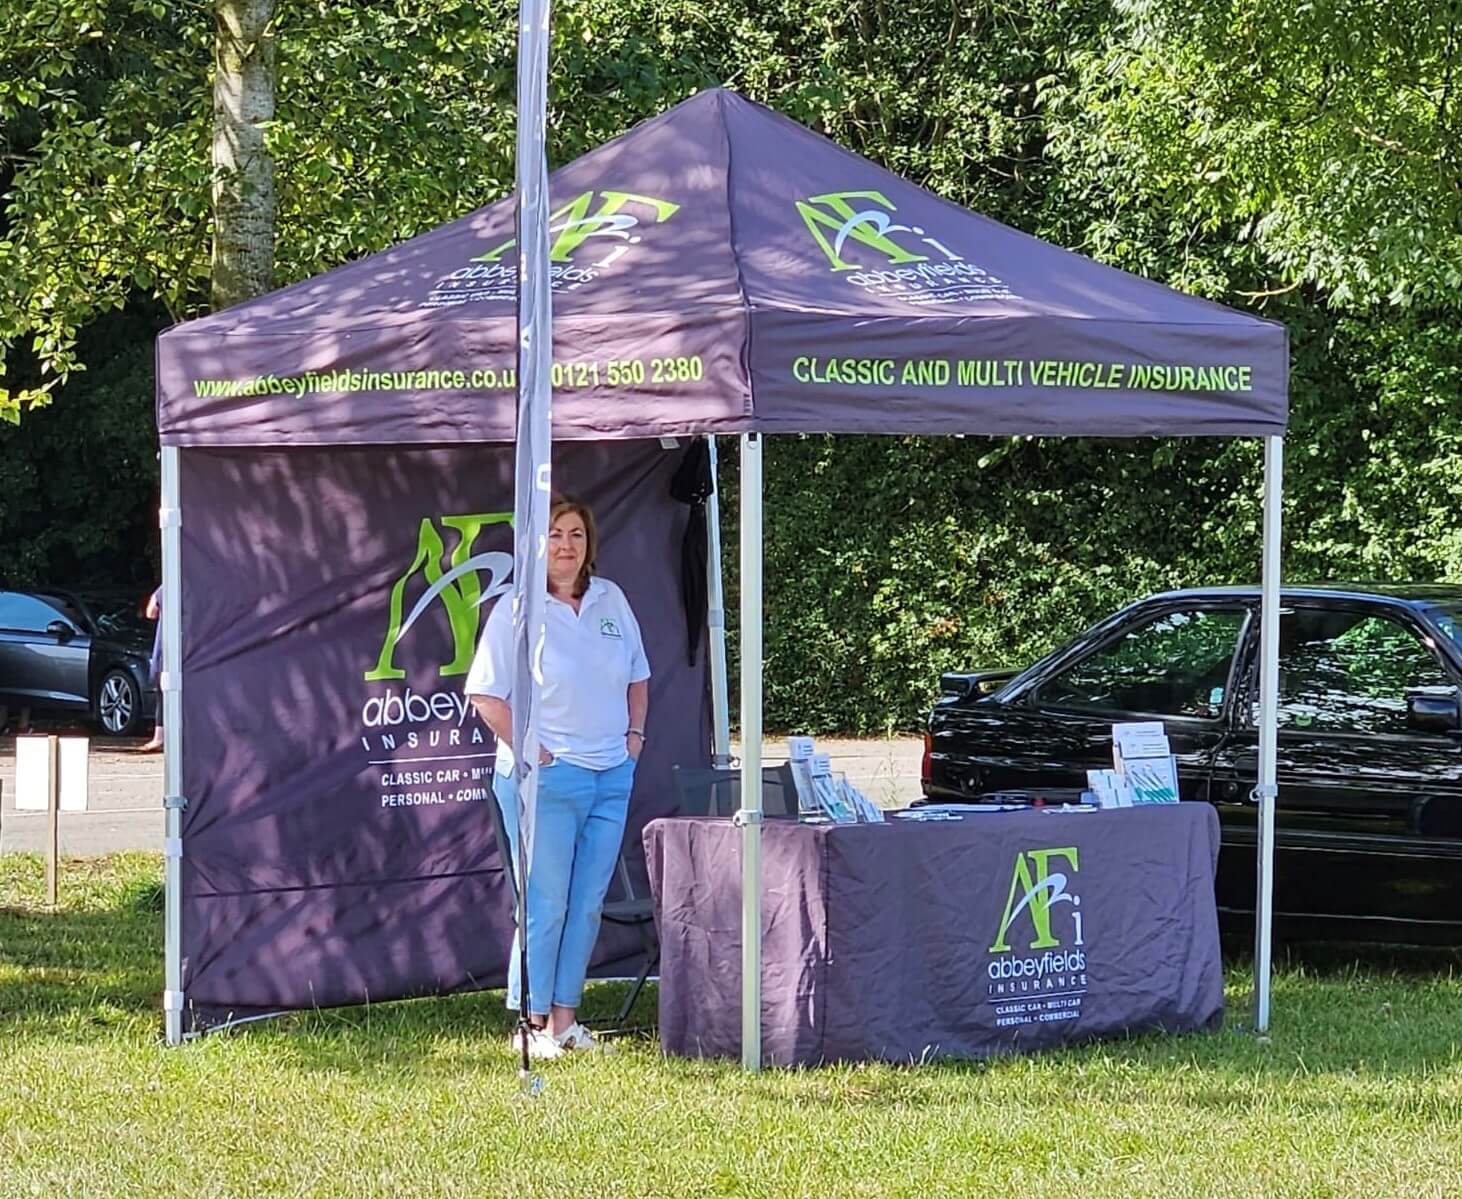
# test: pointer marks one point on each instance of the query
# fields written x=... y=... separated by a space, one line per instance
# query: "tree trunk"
x=243 y=171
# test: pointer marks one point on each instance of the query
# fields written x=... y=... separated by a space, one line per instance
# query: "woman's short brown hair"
x=562 y=506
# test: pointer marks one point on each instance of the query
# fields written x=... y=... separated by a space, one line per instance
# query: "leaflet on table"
x=1106 y=788
x=799 y=759
x=830 y=792
x=821 y=794
x=1146 y=772
x=868 y=811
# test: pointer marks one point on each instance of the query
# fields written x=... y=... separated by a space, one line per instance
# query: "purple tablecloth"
x=914 y=940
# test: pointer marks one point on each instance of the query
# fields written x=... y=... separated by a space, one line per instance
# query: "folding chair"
x=631 y=911
x=717 y=791
x=699 y=793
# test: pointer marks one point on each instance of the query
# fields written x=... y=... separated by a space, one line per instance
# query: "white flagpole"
x=532 y=467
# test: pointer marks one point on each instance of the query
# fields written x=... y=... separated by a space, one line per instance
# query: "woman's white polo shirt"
x=589 y=660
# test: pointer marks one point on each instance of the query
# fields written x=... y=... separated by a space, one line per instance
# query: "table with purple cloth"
x=913 y=940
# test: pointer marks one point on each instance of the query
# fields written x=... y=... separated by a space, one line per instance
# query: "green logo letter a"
x=575 y=225
x=578 y=225
x=844 y=222
x=1035 y=893
x=460 y=595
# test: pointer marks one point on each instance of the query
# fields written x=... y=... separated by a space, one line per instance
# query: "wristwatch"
x=640 y=733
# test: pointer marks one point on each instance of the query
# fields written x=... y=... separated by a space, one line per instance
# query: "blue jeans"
x=579 y=831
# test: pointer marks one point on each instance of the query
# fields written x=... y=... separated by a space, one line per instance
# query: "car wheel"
x=119 y=704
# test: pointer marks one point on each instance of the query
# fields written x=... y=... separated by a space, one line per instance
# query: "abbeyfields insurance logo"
x=1036 y=889
x=592 y=233
x=448 y=574
x=866 y=243
x=446 y=754
x=453 y=581
x=1037 y=969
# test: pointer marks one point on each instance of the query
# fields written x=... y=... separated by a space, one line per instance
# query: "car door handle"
x=1244 y=767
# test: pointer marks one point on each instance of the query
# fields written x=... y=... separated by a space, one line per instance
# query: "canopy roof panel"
x=720 y=268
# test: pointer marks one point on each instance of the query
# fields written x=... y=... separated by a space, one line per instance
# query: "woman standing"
x=591 y=726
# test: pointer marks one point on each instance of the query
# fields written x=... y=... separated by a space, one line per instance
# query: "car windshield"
x=118 y=616
x=1448 y=617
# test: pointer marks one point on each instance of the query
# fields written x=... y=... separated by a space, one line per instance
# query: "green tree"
x=1327 y=134
x=1300 y=160
x=243 y=167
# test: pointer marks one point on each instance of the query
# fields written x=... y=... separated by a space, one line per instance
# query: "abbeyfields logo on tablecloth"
x=859 y=232
x=1037 y=970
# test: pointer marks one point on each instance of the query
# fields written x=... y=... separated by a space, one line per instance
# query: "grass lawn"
x=1358 y=1094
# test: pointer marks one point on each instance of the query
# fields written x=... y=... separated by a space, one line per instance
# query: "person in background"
x=595 y=698
x=154 y=670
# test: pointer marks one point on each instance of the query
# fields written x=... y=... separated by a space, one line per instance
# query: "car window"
x=1448 y=618
x=1349 y=671
x=1176 y=664
x=118 y=617
x=66 y=609
x=25 y=613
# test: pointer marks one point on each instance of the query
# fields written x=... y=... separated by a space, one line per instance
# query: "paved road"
x=125 y=804
x=126 y=792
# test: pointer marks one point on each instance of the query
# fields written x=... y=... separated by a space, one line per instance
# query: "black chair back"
x=716 y=791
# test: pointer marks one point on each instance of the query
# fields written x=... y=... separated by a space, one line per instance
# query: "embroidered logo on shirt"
x=608 y=628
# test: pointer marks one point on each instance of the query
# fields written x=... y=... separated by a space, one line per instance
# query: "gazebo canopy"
x=721 y=269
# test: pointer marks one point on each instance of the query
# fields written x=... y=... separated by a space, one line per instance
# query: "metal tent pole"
x=749 y=817
x=170 y=684
x=716 y=622
x=1267 y=791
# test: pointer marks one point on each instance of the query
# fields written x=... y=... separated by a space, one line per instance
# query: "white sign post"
x=33 y=773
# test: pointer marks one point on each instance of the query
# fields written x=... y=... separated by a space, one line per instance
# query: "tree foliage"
x=1327 y=133
x=1300 y=160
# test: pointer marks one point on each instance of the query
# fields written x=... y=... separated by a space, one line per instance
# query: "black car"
x=1368 y=838
x=77 y=652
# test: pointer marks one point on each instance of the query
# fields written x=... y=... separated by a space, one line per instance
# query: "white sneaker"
x=542 y=1045
x=577 y=1037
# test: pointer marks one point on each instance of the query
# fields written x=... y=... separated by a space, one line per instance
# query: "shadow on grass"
x=424 y=1037
x=1339 y=1010
x=1329 y=958
x=103 y=958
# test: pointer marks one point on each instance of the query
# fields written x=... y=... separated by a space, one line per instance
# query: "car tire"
x=118 y=704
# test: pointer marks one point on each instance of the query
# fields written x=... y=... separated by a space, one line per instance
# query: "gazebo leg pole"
x=716 y=622
x=1267 y=791
x=749 y=817
x=170 y=686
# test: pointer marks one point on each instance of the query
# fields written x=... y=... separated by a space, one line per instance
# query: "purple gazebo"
x=716 y=270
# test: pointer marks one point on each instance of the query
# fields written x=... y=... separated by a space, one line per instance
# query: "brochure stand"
x=1146 y=772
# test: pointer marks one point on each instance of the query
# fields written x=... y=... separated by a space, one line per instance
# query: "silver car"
x=81 y=652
